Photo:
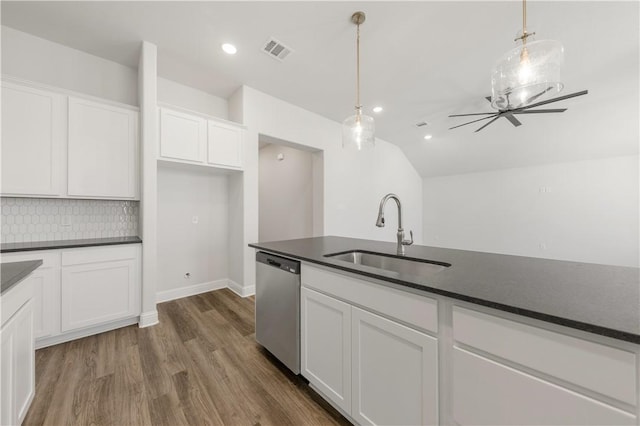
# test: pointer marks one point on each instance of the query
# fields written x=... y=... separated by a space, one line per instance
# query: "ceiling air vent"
x=276 y=49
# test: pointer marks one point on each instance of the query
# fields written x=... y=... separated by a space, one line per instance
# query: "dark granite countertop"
x=63 y=244
x=14 y=272
x=600 y=299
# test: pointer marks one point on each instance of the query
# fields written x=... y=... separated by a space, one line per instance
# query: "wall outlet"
x=195 y=219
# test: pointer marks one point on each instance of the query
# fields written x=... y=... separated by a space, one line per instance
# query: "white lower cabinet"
x=46 y=302
x=82 y=291
x=96 y=293
x=376 y=370
x=507 y=372
x=395 y=372
x=17 y=352
x=326 y=346
x=486 y=392
x=385 y=356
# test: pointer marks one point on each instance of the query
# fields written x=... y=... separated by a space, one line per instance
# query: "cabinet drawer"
x=99 y=254
x=603 y=369
x=50 y=258
x=488 y=393
x=418 y=311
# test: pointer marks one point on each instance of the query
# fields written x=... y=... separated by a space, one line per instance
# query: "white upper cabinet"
x=56 y=145
x=187 y=137
x=33 y=141
x=182 y=136
x=224 y=145
x=103 y=150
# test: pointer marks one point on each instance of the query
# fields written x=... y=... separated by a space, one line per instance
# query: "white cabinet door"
x=326 y=346
x=33 y=141
x=25 y=380
x=182 y=136
x=224 y=145
x=103 y=150
x=96 y=293
x=489 y=393
x=46 y=302
x=7 y=378
x=18 y=366
x=395 y=372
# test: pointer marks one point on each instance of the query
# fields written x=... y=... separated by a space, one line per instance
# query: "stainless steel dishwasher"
x=278 y=307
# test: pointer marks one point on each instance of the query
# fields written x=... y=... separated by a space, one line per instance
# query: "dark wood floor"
x=199 y=366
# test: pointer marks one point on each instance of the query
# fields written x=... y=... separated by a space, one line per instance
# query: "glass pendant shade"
x=527 y=74
x=358 y=132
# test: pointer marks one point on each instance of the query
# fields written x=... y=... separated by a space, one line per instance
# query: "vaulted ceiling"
x=421 y=61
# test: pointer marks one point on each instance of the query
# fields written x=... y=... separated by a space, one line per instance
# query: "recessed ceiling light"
x=427 y=137
x=229 y=49
x=377 y=109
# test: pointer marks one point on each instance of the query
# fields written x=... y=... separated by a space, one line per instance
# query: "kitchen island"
x=490 y=339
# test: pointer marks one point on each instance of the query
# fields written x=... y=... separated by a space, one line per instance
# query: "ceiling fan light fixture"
x=358 y=130
x=528 y=73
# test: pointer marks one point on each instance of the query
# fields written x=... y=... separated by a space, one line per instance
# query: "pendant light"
x=528 y=73
x=358 y=130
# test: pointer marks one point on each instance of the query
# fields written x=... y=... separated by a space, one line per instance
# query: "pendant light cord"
x=524 y=18
x=524 y=22
x=525 y=34
x=358 y=106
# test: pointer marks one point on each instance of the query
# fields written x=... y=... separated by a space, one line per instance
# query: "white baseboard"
x=192 y=290
x=240 y=290
x=148 y=319
x=43 y=342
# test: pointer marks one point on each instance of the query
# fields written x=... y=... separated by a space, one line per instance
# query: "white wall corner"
x=148 y=100
x=240 y=290
x=192 y=290
x=147 y=319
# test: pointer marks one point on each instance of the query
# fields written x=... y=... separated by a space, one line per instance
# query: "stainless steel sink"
x=387 y=262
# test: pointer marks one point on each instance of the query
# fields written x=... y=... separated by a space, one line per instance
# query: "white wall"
x=177 y=94
x=183 y=246
x=584 y=211
x=285 y=193
x=36 y=59
x=354 y=182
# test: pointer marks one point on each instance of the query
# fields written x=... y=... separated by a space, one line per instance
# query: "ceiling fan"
x=510 y=113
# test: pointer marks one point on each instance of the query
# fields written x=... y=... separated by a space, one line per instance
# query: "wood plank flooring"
x=199 y=366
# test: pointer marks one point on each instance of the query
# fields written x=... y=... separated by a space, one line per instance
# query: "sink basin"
x=387 y=262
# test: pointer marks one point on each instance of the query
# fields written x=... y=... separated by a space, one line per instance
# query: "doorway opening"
x=291 y=188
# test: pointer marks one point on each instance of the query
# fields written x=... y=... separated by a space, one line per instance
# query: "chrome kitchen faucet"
x=380 y=222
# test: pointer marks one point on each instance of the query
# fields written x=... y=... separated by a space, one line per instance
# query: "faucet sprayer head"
x=380 y=221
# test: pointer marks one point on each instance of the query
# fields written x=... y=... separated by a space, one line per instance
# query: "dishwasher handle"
x=273 y=263
x=282 y=263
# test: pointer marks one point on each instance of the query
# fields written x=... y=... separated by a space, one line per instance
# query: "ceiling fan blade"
x=539 y=111
x=487 y=124
x=474 y=121
x=534 y=97
x=559 y=98
x=475 y=113
x=512 y=119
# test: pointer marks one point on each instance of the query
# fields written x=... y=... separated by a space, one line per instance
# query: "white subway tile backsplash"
x=39 y=219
